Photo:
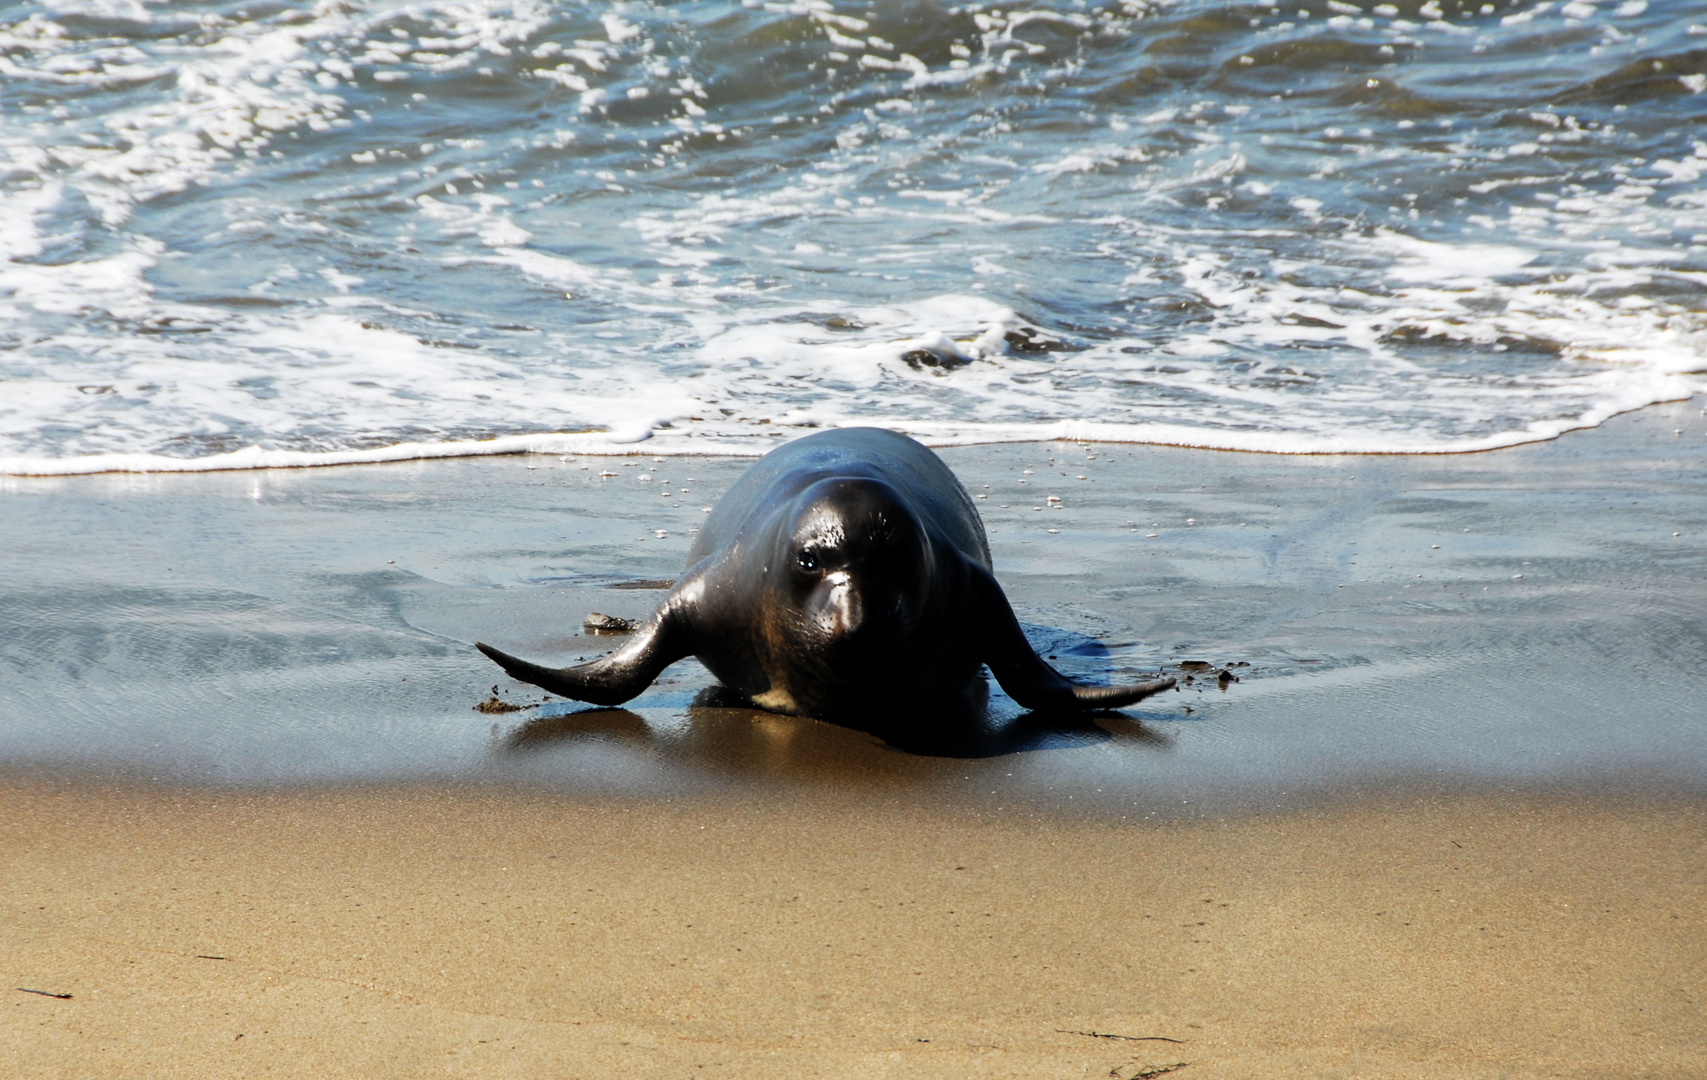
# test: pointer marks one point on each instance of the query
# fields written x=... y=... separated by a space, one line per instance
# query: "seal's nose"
x=837 y=606
x=858 y=616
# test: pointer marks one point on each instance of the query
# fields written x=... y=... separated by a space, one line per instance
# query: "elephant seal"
x=844 y=571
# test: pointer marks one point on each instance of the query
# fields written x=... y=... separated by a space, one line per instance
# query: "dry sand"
x=439 y=931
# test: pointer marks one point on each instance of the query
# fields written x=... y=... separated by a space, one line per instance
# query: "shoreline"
x=609 y=444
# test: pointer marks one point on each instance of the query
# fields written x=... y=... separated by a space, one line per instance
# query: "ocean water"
x=246 y=234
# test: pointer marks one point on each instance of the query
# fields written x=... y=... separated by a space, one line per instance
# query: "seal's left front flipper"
x=1024 y=675
x=624 y=674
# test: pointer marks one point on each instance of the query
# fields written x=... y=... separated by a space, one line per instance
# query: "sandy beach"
x=1448 y=821
x=409 y=932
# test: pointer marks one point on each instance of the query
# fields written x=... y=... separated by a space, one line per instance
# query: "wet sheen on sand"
x=1525 y=617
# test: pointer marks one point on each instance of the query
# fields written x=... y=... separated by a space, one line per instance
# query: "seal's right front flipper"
x=1026 y=677
x=624 y=674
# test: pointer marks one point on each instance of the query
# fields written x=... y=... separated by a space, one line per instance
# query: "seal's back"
x=909 y=467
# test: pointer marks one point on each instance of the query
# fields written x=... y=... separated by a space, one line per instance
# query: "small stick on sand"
x=1129 y=1038
x=46 y=993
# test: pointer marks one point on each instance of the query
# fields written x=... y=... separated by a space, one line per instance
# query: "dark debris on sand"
x=597 y=623
x=494 y=704
x=1222 y=676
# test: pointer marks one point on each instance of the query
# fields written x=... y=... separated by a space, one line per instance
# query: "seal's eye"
x=808 y=559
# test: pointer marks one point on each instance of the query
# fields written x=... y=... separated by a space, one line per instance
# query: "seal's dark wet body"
x=907 y=466
x=845 y=571
x=887 y=532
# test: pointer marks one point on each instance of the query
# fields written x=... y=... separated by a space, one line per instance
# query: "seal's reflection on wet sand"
x=725 y=734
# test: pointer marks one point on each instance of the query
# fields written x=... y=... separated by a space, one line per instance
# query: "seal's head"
x=855 y=576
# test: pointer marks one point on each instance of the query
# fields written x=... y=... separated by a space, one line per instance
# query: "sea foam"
x=365 y=232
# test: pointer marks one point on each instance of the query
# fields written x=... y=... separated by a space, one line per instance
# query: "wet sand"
x=1450 y=821
x=467 y=932
x=1531 y=616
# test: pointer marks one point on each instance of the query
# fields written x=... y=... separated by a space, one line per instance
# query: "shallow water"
x=1516 y=619
x=330 y=229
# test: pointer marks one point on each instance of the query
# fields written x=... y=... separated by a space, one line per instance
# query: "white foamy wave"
x=255 y=457
x=949 y=370
x=115 y=285
x=361 y=232
x=236 y=87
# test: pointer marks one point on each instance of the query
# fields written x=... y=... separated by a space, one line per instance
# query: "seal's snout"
x=836 y=605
